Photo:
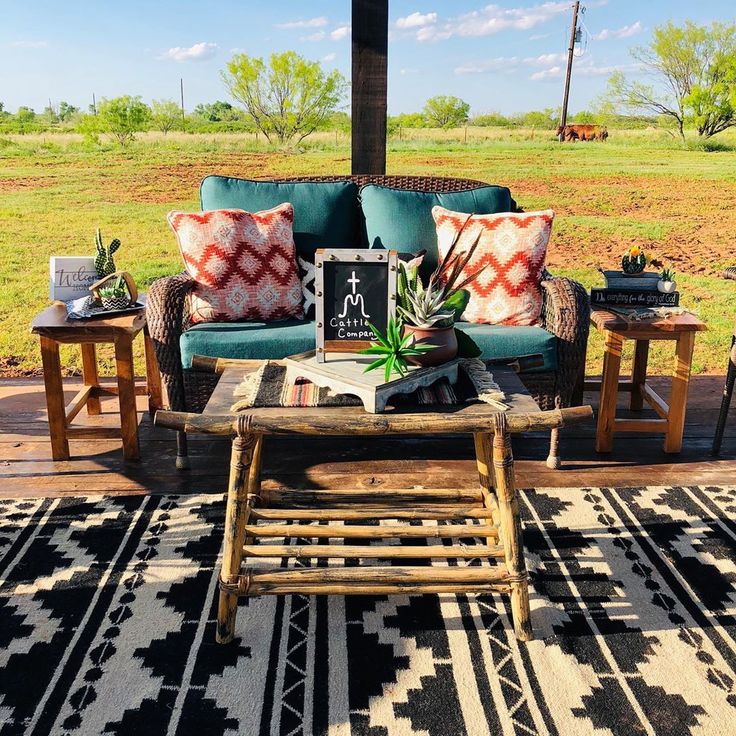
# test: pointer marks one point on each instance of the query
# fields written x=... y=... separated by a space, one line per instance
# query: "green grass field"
x=678 y=202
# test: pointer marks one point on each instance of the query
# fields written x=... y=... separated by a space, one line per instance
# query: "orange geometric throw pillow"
x=513 y=249
x=244 y=264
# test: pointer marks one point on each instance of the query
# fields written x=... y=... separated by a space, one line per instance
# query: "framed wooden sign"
x=70 y=277
x=352 y=288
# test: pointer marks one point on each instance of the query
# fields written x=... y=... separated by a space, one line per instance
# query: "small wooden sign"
x=352 y=288
x=70 y=277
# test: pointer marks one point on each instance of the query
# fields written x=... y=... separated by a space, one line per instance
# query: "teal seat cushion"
x=502 y=341
x=326 y=214
x=274 y=340
x=253 y=340
x=402 y=220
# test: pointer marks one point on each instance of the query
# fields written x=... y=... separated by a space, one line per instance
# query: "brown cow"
x=582 y=133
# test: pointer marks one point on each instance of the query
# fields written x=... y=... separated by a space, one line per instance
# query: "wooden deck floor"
x=26 y=468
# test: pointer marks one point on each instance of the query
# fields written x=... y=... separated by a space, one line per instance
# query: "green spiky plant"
x=667 y=275
x=104 y=261
x=394 y=351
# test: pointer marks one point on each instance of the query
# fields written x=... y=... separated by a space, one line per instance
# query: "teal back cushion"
x=325 y=213
x=401 y=220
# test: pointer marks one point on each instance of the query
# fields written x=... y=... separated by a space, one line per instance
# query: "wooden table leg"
x=678 y=395
x=239 y=502
x=510 y=528
x=726 y=399
x=153 y=375
x=90 y=377
x=609 y=391
x=126 y=396
x=54 y=398
x=484 y=461
x=639 y=374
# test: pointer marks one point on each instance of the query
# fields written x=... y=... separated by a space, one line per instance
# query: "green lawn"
x=678 y=202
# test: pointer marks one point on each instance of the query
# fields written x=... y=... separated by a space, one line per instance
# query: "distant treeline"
x=222 y=117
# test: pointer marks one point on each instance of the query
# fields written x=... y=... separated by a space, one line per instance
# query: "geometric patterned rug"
x=107 y=626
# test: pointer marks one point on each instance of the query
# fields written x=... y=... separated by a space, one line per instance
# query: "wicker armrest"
x=566 y=314
x=730 y=273
x=165 y=317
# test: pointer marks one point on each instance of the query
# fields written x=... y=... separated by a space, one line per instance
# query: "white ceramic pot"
x=666 y=287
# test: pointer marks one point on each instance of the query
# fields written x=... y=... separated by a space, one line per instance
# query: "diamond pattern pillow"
x=244 y=264
x=513 y=248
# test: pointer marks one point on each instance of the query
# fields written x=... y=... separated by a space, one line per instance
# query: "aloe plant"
x=438 y=301
x=667 y=275
x=393 y=349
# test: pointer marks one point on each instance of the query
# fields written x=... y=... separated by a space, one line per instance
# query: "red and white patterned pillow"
x=513 y=248
x=244 y=264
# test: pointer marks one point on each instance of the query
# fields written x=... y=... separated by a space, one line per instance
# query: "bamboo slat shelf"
x=480 y=528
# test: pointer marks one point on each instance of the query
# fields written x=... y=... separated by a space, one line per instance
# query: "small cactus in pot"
x=116 y=295
x=667 y=283
x=634 y=262
x=104 y=261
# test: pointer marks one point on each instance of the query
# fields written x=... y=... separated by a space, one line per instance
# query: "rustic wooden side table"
x=681 y=329
x=53 y=327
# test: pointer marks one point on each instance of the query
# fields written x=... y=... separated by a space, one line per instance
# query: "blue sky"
x=508 y=56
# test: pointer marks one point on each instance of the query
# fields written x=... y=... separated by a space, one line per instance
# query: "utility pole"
x=570 y=51
x=94 y=104
x=181 y=90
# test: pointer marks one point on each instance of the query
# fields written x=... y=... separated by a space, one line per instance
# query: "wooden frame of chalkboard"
x=342 y=309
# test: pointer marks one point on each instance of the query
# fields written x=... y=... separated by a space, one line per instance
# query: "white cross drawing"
x=353 y=299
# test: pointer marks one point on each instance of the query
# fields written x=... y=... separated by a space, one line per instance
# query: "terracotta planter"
x=443 y=337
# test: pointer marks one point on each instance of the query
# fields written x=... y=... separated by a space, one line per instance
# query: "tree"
x=216 y=112
x=66 y=111
x=123 y=117
x=288 y=98
x=165 y=115
x=694 y=72
x=446 y=111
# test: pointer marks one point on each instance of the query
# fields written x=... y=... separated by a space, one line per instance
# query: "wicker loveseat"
x=565 y=316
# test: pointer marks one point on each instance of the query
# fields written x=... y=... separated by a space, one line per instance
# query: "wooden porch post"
x=369 y=103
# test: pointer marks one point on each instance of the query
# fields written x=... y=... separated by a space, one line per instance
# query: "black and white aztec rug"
x=107 y=626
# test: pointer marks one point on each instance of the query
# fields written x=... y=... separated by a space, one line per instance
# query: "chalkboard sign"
x=352 y=288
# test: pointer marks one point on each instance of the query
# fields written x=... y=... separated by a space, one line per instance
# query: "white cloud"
x=319 y=22
x=198 y=52
x=539 y=36
x=408 y=70
x=552 y=73
x=545 y=59
x=492 y=19
x=509 y=63
x=623 y=32
x=339 y=33
x=29 y=44
x=319 y=36
x=417 y=20
x=329 y=57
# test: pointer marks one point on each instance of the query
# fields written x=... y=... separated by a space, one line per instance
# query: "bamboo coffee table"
x=254 y=516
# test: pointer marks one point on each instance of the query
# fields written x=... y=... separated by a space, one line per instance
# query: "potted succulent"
x=395 y=350
x=634 y=262
x=115 y=295
x=667 y=283
x=429 y=312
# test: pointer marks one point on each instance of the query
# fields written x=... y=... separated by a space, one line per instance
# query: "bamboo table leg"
x=609 y=392
x=678 y=395
x=639 y=374
x=90 y=377
x=484 y=461
x=126 y=396
x=54 y=398
x=510 y=528
x=239 y=502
